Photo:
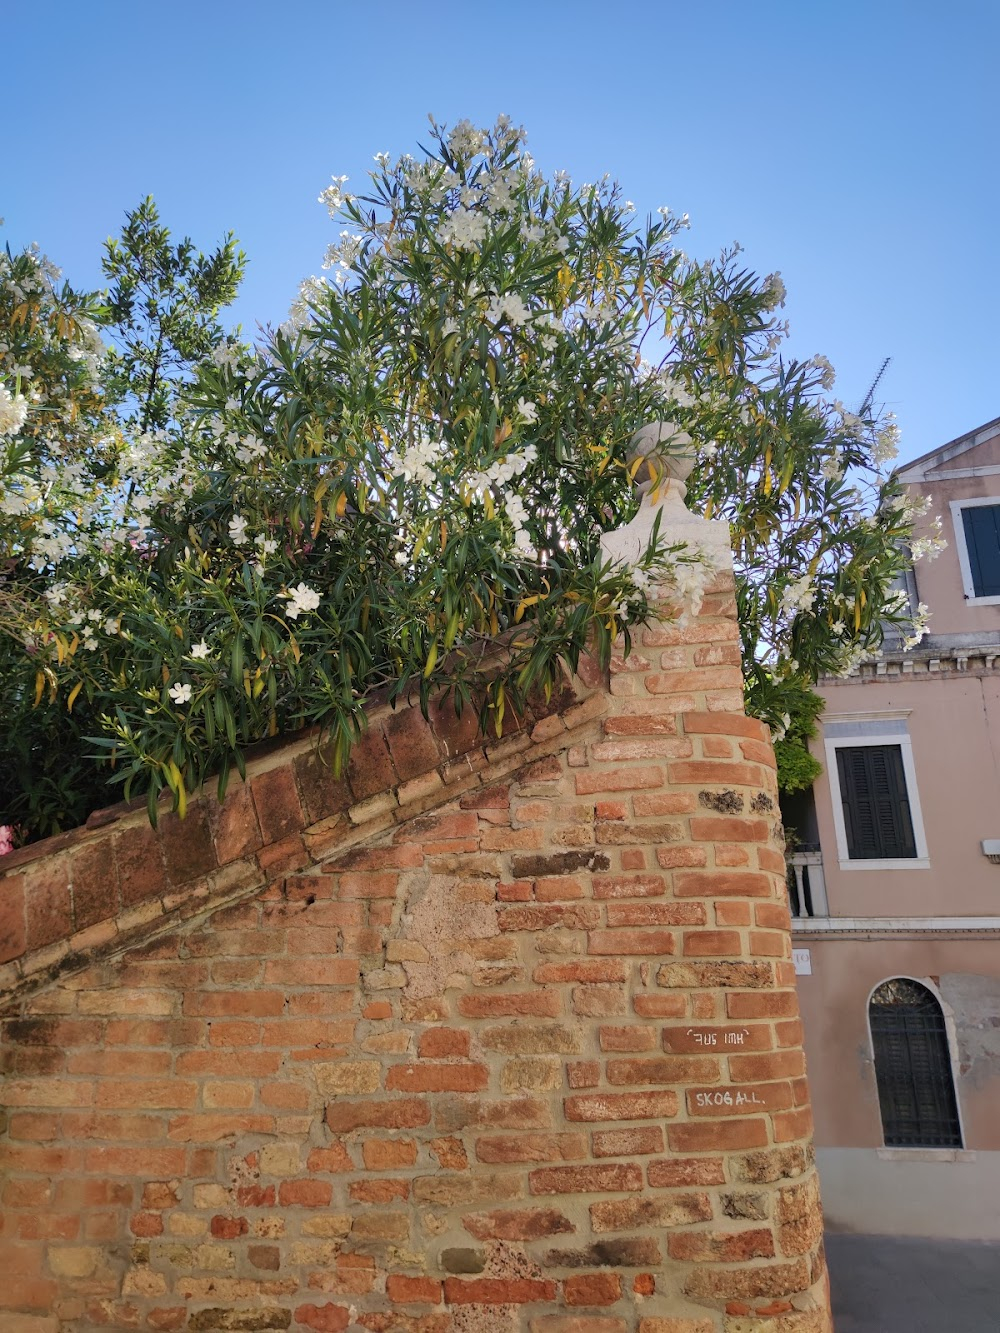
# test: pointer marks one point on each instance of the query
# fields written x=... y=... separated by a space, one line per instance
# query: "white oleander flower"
x=527 y=411
x=13 y=412
x=200 y=650
x=181 y=694
x=301 y=598
x=774 y=290
x=238 y=530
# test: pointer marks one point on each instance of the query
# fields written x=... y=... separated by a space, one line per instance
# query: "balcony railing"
x=806 y=885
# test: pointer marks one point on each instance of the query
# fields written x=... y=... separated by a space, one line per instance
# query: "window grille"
x=916 y=1091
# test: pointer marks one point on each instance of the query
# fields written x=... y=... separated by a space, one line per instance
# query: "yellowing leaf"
x=39 y=688
x=73 y=695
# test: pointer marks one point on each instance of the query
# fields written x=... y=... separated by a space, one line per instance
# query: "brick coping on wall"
x=115 y=881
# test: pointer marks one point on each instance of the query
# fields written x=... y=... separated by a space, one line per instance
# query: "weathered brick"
x=622 y=1106
x=610 y=1178
x=678 y=1210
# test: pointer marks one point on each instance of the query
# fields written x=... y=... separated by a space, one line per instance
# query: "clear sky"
x=851 y=144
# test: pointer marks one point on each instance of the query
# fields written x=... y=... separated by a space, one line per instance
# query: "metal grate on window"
x=916 y=1091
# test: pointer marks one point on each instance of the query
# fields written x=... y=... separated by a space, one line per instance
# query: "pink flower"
x=6 y=839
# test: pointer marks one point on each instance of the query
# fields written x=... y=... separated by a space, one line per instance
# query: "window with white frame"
x=977 y=541
x=873 y=785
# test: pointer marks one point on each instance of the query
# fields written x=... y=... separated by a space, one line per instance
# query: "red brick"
x=487 y=798
x=592 y=781
x=681 y=1172
x=437 y=1078
x=146 y=1224
x=370 y=769
x=378 y=1191
x=729 y=828
x=585 y=971
x=773 y=916
x=647 y=1210
x=47 y=903
x=790 y=1125
x=305 y=1193
x=629 y=942
x=94 y=874
x=717 y=883
x=725 y=724
x=188 y=848
x=387 y=1113
x=517 y=1224
x=627 y=1038
x=611 y=1178
x=674 y=858
x=324 y=1318
x=592 y=1289
x=669 y=1069
x=228 y=1228
x=335 y=1158
x=497 y=1291
x=622 y=1106
x=721 y=1247
x=558 y=888
x=758 y=752
x=413 y=1290
x=139 y=856
x=642 y=724
x=628 y=1142
x=732 y=914
x=664 y=803
x=389 y=1154
x=440 y=1043
x=583 y=1073
x=716 y=771
x=531 y=1147
x=411 y=744
x=721 y=1135
x=13 y=938
x=716 y=747
x=629 y=886
x=712 y=944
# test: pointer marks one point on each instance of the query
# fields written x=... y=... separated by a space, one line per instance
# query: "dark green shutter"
x=916 y=1091
x=876 y=807
x=982 y=541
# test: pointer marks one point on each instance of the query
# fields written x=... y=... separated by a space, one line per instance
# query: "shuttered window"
x=916 y=1090
x=982 y=541
x=877 y=818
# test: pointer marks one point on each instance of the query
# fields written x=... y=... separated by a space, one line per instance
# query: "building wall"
x=489 y=1038
x=939 y=581
x=869 y=1188
x=879 y=928
x=953 y=720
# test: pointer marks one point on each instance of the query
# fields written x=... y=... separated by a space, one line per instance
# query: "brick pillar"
x=686 y=795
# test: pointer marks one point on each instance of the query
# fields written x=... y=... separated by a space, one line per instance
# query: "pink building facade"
x=895 y=886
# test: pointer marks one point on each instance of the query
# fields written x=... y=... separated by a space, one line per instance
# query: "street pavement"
x=888 y=1284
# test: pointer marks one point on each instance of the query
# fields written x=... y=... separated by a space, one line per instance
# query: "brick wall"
x=482 y=1038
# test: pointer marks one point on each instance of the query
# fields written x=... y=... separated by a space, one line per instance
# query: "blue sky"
x=852 y=144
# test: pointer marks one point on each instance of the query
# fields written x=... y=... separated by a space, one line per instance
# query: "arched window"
x=916 y=1091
